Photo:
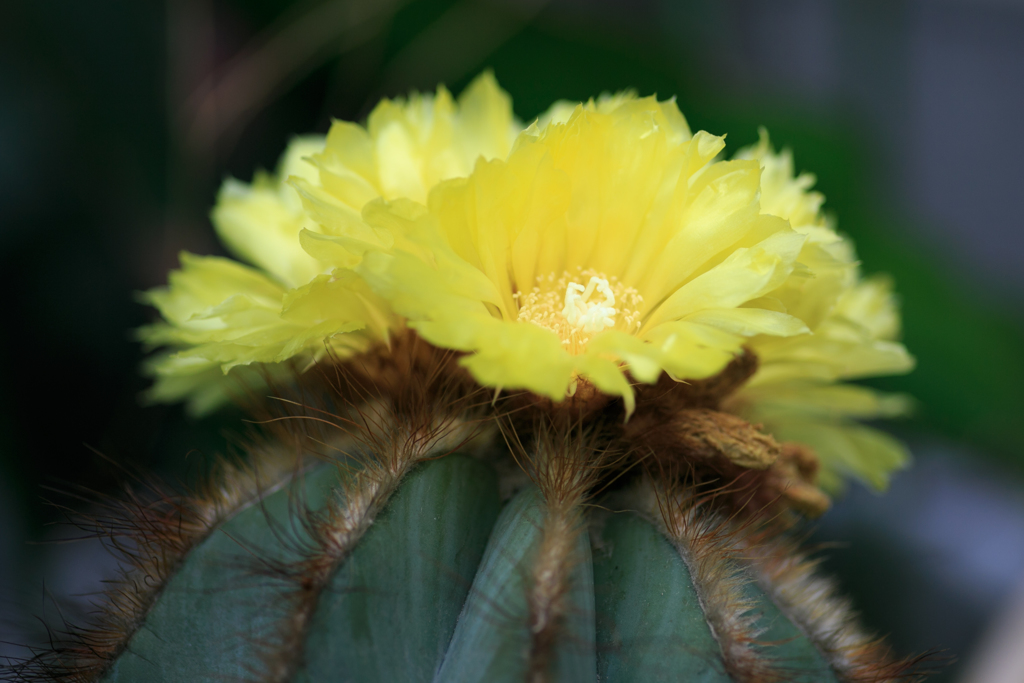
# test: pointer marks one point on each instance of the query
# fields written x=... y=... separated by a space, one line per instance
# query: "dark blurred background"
x=119 y=119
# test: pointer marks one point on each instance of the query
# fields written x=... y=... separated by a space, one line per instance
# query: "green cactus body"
x=396 y=597
x=444 y=581
x=438 y=561
x=417 y=530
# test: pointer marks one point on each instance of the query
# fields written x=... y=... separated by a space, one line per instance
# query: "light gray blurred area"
x=951 y=535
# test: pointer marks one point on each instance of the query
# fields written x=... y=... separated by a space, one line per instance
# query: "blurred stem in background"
x=211 y=101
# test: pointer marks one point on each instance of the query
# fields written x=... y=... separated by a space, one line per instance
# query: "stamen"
x=579 y=318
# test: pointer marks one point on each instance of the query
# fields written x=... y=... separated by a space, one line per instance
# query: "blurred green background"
x=119 y=119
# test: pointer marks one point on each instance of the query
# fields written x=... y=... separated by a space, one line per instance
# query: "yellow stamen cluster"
x=576 y=311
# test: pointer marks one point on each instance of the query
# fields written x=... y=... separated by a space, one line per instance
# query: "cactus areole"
x=536 y=403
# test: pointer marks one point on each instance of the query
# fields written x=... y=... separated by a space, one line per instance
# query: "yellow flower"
x=223 y=314
x=607 y=243
x=603 y=245
x=219 y=314
x=797 y=391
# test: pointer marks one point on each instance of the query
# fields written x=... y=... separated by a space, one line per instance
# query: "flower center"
x=576 y=312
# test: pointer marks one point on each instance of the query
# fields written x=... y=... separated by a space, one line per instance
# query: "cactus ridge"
x=152 y=529
x=813 y=603
x=704 y=544
x=395 y=523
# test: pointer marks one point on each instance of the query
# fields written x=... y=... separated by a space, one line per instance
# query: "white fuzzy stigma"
x=581 y=313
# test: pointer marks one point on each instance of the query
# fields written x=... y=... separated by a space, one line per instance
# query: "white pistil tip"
x=584 y=315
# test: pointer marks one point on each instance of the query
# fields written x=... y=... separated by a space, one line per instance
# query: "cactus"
x=534 y=404
x=390 y=524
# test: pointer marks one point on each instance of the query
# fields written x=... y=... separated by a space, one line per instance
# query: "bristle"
x=668 y=395
x=681 y=433
x=565 y=463
x=549 y=584
x=563 y=477
x=403 y=407
x=152 y=531
x=758 y=475
x=319 y=417
x=709 y=434
x=814 y=604
x=377 y=416
x=703 y=540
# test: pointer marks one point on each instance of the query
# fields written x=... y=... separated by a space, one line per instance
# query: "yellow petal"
x=748 y=322
x=260 y=222
x=846 y=450
x=517 y=357
x=746 y=274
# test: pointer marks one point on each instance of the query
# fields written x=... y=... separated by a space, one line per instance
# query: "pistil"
x=572 y=311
